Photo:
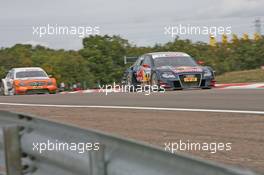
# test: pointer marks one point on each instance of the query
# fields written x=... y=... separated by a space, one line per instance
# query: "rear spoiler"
x=129 y=59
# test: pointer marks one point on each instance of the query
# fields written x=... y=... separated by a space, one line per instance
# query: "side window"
x=12 y=75
x=147 y=61
x=8 y=75
x=139 y=61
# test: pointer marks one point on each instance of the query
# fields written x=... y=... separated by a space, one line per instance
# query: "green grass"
x=256 y=75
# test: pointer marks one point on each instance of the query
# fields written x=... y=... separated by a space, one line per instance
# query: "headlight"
x=21 y=84
x=207 y=73
x=168 y=75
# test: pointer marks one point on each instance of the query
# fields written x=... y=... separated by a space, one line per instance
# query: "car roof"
x=168 y=54
x=27 y=69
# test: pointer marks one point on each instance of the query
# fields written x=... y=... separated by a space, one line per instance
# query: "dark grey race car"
x=174 y=70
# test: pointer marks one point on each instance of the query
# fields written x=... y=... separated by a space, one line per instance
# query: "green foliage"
x=104 y=57
x=101 y=59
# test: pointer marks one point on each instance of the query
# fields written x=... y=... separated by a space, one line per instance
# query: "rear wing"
x=130 y=59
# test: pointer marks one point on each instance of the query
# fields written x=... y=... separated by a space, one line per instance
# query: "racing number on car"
x=147 y=72
x=143 y=74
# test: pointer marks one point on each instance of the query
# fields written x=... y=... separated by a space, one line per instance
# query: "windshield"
x=30 y=74
x=174 y=61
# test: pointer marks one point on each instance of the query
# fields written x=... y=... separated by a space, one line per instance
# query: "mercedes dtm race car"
x=173 y=70
x=31 y=80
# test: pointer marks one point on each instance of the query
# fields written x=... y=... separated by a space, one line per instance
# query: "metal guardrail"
x=116 y=156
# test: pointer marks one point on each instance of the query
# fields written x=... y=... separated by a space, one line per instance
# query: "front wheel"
x=131 y=83
x=154 y=80
x=209 y=87
x=52 y=92
x=2 y=90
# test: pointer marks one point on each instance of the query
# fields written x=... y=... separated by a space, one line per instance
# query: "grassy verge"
x=246 y=76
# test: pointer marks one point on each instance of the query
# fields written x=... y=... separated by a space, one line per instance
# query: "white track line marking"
x=136 y=108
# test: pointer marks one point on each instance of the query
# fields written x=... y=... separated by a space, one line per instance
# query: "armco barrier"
x=116 y=156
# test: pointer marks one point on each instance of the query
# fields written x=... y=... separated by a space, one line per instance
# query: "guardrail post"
x=12 y=150
x=97 y=160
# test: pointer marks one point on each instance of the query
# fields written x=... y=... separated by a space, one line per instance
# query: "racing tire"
x=52 y=92
x=131 y=83
x=6 y=92
x=207 y=88
x=154 y=81
x=1 y=89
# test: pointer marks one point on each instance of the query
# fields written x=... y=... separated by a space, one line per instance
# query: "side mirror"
x=201 y=62
x=146 y=65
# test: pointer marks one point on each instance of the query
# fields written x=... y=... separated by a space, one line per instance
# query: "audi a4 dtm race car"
x=171 y=70
x=28 y=80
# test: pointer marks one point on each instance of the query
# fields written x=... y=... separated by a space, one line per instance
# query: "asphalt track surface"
x=246 y=100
